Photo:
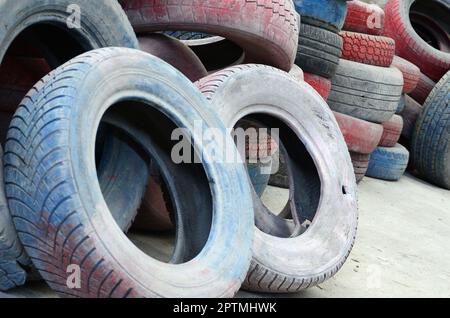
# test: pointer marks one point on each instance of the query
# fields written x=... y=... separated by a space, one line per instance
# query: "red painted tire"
x=360 y=165
x=392 y=131
x=267 y=31
x=175 y=53
x=423 y=89
x=321 y=84
x=368 y=49
x=361 y=136
x=364 y=18
x=17 y=77
x=410 y=45
x=410 y=114
x=411 y=73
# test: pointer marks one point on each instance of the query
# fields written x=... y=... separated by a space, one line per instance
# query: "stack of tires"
x=421 y=30
x=368 y=89
x=92 y=143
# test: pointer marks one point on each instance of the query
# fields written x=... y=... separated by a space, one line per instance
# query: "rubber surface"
x=323 y=13
x=423 y=89
x=430 y=147
x=175 y=53
x=364 y=18
x=284 y=260
x=401 y=105
x=368 y=49
x=410 y=115
x=360 y=165
x=366 y=92
x=267 y=31
x=104 y=24
x=321 y=84
x=388 y=163
x=319 y=50
x=392 y=130
x=411 y=73
x=361 y=136
x=410 y=46
x=74 y=233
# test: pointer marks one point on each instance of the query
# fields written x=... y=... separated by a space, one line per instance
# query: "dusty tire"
x=321 y=84
x=423 y=89
x=409 y=45
x=282 y=260
x=366 y=92
x=364 y=18
x=268 y=32
x=410 y=114
x=388 y=163
x=297 y=73
x=430 y=147
x=360 y=165
x=111 y=266
x=361 y=136
x=323 y=13
x=392 y=130
x=411 y=73
x=175 y=53
x=319 y=50
x=368 y=49
x=33 y=22
x=401 y=105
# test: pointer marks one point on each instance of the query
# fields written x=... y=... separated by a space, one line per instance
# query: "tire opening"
x=172 y=225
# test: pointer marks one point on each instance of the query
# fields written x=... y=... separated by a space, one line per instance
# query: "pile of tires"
x=114 y=180
x=366 y=93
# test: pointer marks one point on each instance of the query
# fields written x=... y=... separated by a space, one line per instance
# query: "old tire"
x=409 y=45
x=410 y=114
x=401 y=104
x=423 y=89
x=368 y=49
x=361 y=136
x=319 y=50
x=388 y=163
x=323 y=13
x=111 y=266
x=366 y=92
x=321 y=84
x=360 y=165
x=283 y=260
x=392 y=130
x=267 y=32
x=364 y=18
x=411 y=73
x=430 y=147
x=43 y=23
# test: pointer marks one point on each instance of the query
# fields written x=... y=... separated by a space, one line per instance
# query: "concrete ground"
x=402 y=248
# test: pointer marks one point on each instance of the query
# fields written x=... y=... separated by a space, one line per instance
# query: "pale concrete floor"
x=402 y=248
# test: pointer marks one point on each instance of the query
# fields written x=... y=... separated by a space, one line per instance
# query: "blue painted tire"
x=82 y=231
x=388 y=163
x=328 y=14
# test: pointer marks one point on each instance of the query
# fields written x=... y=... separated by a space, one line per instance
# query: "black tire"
x=388 y=163
x=44 y=23
x=430 y=147
x=366 y=92
x=283 y=258
x=82 y=230
x=319 y=50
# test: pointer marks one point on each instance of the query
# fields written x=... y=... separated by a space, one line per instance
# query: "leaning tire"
x=323 y=13
x=392 y=130
x=319 y=50
x=368 y=49
x=410 y=114
x=333 y=229
x=388 y=163
x=364 y=18
x=411 y=73
x=410 y=45
x=111 y=266
x=366 y=92
x=430 y=146
x=423 y=89
x=267 y=32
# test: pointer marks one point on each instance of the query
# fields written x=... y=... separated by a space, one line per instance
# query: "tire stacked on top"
x=368 y=89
